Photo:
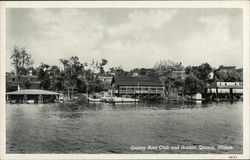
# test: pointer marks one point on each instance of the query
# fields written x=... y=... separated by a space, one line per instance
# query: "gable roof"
x=32 y=92
x=137 y=81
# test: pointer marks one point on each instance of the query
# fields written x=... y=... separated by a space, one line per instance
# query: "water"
x=104 y=128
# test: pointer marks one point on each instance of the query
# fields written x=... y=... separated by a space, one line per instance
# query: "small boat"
x=94 y=99
x=106 y=99
x=13 y=101
x=30 y=101
x=123 y=100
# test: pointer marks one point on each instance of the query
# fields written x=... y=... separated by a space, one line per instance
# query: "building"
x=227 y=68
x=106 y=79
x=226 y=90
x=137 y=86
x=178 y=74
x=35 y=95
x=14 y=82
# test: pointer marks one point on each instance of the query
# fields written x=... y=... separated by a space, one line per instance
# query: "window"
x=13 y=79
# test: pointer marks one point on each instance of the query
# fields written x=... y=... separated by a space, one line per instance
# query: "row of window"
x=146 y=89
x=228 y=84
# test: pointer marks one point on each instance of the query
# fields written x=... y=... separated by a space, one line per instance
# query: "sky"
x=127 y=37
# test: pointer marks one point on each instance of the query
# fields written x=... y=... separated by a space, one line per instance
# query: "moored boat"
x=94 y=99
x=30 y=101
x=123 y=100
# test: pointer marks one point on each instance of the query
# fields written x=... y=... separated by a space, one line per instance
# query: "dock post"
x=25 y=99
x=40 y=99
x=216 y=94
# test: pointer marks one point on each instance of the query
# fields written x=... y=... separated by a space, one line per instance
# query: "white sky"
x=128 y=37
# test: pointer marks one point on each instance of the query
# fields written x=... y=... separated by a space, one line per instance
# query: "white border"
x=127 y=4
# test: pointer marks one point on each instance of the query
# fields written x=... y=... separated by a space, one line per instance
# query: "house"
x=137 y=85
x=22 y=81
x=227 y=68
x=106 y=79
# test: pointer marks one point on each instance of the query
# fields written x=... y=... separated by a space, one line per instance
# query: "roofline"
x=140 y=85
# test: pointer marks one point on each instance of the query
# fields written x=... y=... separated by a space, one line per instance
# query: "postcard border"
x=127 y=4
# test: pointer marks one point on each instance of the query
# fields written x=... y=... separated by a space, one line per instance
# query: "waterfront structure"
x=225 y=90
x=137 y=86
x=36 y=95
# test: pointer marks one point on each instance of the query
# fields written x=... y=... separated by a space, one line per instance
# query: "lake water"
x=105 y=128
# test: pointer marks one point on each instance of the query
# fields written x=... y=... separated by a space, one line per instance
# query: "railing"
x=141 y=90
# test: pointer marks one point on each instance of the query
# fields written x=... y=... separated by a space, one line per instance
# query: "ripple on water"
x=105 y=128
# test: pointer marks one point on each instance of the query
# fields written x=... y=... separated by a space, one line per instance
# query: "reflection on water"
x=107 y=128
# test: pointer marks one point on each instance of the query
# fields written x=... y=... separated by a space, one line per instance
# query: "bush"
x=80 y=101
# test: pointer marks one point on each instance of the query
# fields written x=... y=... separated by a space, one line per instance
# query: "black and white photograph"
x=125 y=80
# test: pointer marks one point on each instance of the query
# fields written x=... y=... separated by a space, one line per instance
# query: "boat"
x=94 y=99
x=123 y=100
x=106 y=99
x=30 y=101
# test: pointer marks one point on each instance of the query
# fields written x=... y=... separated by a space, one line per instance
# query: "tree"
x=203 y=71
x=56 y=79
x=72 y=68
x=223 y=76
x=193 y=85
x=118 y=71
x=102 y=64
x=43 y=76
x=191 y=70
x=164 y=67
x=21 y=60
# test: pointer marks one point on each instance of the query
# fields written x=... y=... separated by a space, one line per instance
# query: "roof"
x=32 y=92
x=227 y=67
x=23 y=76
x=178 y=71
x=226 y=87
x=137 y=81
x=239 y=70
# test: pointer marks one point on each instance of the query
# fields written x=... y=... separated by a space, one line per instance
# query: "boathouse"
x=137 y=86
x=226 y=90
x=35 y=95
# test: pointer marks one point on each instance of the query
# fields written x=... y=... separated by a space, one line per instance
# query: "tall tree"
x=164 y=67
x=102 y=64
x=72 y=68
x=203 y=71
x=118 y=71
x=43 y=75
x=21 y=60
